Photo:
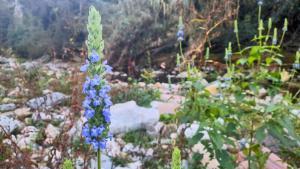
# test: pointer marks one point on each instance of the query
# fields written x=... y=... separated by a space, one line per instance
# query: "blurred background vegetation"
x=133 y=29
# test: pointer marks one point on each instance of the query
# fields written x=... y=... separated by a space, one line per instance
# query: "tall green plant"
x=68 y=164
x=176 y=159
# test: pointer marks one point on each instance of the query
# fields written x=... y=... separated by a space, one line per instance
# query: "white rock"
x=129 y=116
x=51 y=131
x=192 y=130
x=113 y=148
x=199 y=148
x=128 y=148
x=9 y=124
x=180 y=128
x=41 y=116
x=59 y=117
x=173 y=136
x=149 y=152
x=7 y=107
x=75 y=131
x=154 y=131
x=277 y=99
x=48 y=100
x=262 y=92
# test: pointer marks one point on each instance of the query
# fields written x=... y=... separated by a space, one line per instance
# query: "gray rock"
x=129 y=116
x=23 y=112
x=27 y=137
x=29 y=65
x=7 y=107
x=48 y=100
x=4 y=60
x=9 y=124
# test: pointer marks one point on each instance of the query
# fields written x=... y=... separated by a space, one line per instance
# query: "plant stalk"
x=251 y=142
x=99 y=158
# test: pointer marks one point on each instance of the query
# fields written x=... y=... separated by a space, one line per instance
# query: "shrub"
x=142 y=95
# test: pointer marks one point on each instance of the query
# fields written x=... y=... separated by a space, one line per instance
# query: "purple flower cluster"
x=180 y=34
x=97 y=103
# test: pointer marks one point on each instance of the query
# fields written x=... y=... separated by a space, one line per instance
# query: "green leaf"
x=260 y=134
x=225 y=159
x=216 y=139
x=242 y=61
x=278 y=61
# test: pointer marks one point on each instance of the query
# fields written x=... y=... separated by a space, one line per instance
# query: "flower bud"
x=207 y=53
x=270 y=23
x=285 y=27
x=274 y=40
x=261 y=25
x=236 y=29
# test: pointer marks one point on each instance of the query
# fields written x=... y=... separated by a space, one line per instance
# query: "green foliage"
x=5 y=150
x=79 y=145
x=68 y=164
x=120 y=161
x=176 y=159
x=237 y=112
x=143 y=96
x=138 y=138
x=40 y=137
x=167 y=118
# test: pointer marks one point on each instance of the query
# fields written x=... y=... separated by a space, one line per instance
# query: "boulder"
x=48 y=100
x=7 y=107
x=129 y=116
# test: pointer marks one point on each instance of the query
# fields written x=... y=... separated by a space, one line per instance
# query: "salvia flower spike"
x=270 y=23
x=274 y=40
x=236 y=30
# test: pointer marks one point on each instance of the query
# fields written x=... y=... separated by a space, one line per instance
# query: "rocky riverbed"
x=42 y=121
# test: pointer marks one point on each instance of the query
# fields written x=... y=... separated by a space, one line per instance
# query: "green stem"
x=282 y=37
x=259 y=13
x=267 y=37
x=251 y=142
x=99 y=158
x=180 y=45
x=238 y=42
